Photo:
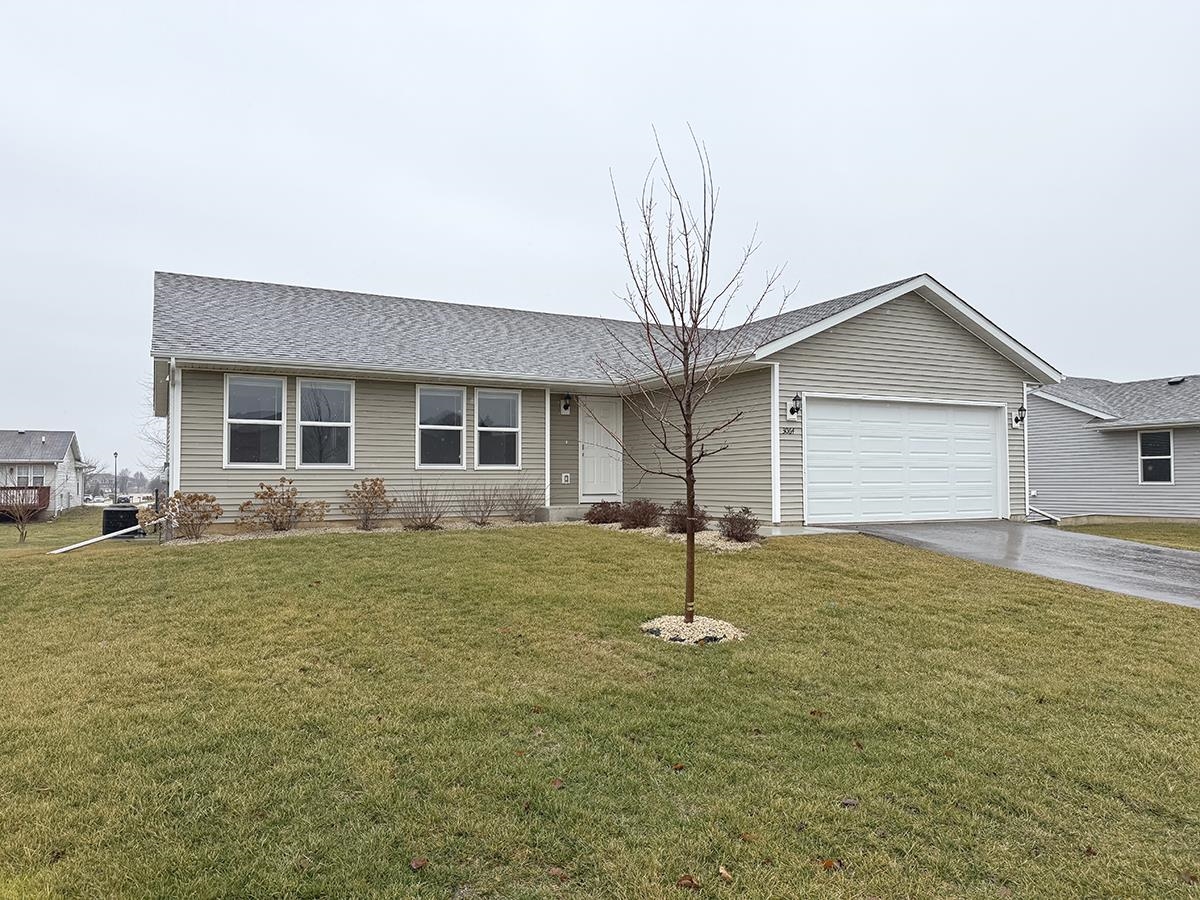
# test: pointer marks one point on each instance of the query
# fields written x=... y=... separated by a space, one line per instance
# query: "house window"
x=30 y=476
x=497 y=429
x=254 y=421
x=326 y=421
x=440 y=427
x=1155 y=452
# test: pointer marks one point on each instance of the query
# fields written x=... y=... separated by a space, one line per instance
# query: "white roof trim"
x=1078 y=407
x=948 y=303
x=1142 y=426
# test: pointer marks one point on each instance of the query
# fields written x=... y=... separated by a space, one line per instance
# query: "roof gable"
x=939 y=297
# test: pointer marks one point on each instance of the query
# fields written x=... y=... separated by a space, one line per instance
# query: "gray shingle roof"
x=223 y=319
x=34 y=446
x=1134 y=403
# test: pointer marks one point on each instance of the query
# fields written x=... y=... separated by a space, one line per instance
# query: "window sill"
x=277 y=466
x=483 y=468
x=436 y=468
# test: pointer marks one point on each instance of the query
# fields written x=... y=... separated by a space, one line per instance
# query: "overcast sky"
x=1039 y=159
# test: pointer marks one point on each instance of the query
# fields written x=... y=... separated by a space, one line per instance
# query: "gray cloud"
x=1038 y=159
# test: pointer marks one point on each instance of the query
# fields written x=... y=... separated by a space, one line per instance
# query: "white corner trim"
x=804 y=456
x=175 y=411
x=776 y=492
x=1025 y=439
x=944 y=300
x=547 y=448
x=1078 y=407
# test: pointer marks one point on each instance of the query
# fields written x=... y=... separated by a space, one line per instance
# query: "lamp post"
x=114 y=476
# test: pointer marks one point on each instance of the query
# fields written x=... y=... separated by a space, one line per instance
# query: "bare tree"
x=89 y=467
x=152 y=432
x=20 y=505
x=694 y=332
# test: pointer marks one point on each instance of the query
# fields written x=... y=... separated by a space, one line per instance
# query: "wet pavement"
x=1143 y=570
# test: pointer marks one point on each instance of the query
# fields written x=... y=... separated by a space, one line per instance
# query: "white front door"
x=600 y=454
x=896 y=461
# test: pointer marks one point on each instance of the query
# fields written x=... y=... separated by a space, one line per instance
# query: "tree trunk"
x=689 y=580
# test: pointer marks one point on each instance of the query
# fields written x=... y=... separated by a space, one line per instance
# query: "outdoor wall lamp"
x=793 y=411
x=1019 y=416
x=565 y=408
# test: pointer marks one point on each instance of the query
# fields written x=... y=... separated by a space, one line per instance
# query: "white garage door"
x=889 y=461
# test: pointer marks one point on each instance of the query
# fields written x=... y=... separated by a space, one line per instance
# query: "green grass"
x=304 y=716
x=1165 y=534
x=70 y=527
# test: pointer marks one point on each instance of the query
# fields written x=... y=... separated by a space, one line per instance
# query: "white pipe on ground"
x=105 y=537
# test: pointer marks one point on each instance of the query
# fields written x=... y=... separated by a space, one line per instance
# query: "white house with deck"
x=48 y=462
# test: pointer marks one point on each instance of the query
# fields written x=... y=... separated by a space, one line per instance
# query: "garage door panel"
x=886 y=461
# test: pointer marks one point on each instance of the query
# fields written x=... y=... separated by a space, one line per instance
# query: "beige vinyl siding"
x=564 y=453
x=384 y=444
x=902 y=349
x=737 y=476
x=1080 y=471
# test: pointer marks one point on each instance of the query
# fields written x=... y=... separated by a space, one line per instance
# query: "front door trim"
x=619 y=495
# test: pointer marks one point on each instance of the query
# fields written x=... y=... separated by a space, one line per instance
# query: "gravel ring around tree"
x=701 y=630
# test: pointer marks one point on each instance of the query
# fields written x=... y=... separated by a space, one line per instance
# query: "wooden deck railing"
x=37 y=497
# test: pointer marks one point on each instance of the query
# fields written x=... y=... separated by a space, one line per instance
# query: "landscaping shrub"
x=676 y=518
x=277 y=507
x=368 y=502
x=640 y=514
x=522 y=500
x=739 y=525
x=606 y=512
x=188 y=515
x=422 y=508
x=480 y=503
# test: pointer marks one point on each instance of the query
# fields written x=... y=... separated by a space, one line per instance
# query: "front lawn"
x=73 y=525
x=308 y=716
x=1165 y=534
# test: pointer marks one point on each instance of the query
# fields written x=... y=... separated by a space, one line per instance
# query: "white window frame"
x=516 y=431
x=28 y=476
x=462 y=429
x=1170 y=432
x=281 y=422
x=300 y=423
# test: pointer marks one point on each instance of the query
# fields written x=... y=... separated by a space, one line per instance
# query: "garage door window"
x=1155 y=456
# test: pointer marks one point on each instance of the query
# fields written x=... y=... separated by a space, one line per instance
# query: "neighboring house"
x=43 y=459
x=893 y=404
x=1104 y=448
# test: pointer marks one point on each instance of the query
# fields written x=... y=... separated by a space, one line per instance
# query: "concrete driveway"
x=1157 y=573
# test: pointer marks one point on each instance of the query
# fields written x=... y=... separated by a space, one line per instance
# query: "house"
x=1105 y=448
x=48 y=461
x=897 y=403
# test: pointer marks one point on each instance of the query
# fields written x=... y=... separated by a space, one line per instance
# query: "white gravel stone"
x=709 y=539
x=701 y=630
